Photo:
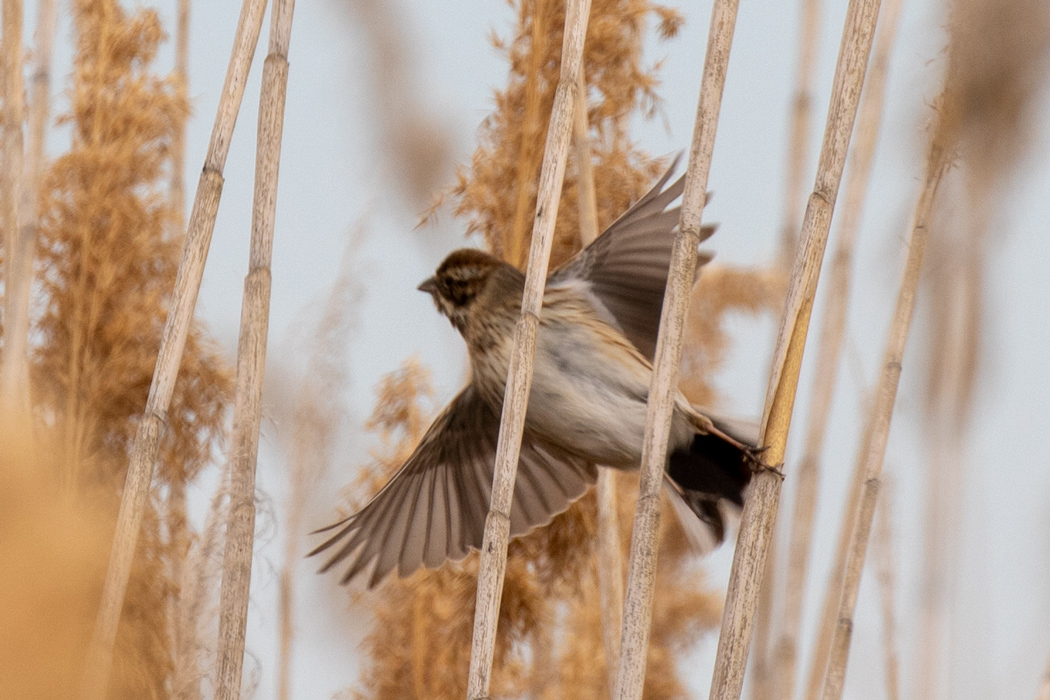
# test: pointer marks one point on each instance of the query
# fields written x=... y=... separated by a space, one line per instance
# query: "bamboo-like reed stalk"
x=887 y=575
x=14 y=365
x=178 y=527
x=493 y=564
x=173 y=341
x=829 y=350
x=251 y=361
x=610 y=557
x=937 y=163
x=641 y=567
x=756 y=529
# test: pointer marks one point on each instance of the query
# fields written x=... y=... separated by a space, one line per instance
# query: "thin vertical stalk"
x=586 y=197
x=800 y=128
x=833 y=589
x=493 y=563
x=178 y=141
x=251 y=361
x=610 y=571
x=756 y=529
x=641 y=568
x=879 y=421
x=173 y=341
x=15 y=373
x=14 y=365
x=530 y=133
x=610 y=556
x=887 y=566
x=178 y=526
x=829 y=349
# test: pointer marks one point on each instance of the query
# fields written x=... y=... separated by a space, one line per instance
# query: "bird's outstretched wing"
x=434 y=508
x=627 y=265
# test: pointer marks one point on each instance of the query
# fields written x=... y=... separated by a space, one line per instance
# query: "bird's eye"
x=457 y=290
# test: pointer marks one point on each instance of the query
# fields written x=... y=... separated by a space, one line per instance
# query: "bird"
x=586 y=409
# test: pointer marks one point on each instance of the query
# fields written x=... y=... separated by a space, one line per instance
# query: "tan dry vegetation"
x=53 y=548
x=106 y=262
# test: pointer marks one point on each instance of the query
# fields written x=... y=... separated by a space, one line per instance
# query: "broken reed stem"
x=829 y=350
x=610 y=557
x=663 y=387
x=493 y=563
x=756 y=529
x=887 y=581
x=937 y=163
x=14 y=364
x=169 y=357
x=251 y=361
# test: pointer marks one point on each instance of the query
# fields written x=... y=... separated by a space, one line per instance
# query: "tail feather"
x=708 y=473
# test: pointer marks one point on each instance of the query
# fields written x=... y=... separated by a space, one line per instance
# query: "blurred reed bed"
x=996 y=64
x=415 y=145
x=105 y=263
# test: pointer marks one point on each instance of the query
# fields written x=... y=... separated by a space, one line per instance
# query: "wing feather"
x=434 y=507
x=627 y=264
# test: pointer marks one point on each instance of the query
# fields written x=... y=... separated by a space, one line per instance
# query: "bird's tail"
x=708 y=475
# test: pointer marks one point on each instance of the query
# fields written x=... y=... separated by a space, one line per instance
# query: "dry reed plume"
x=106 y=261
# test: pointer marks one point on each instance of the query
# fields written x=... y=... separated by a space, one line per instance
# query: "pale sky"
x=333 y=178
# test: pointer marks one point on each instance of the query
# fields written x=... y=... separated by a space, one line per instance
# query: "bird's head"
x=458 y=283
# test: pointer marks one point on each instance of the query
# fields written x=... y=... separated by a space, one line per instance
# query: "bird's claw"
x=755 y=463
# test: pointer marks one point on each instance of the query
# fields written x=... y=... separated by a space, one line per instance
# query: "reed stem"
x=493 y=563
x=937 y=164
x=756 y=529
x=663 y=388
x=251 y=361
x=829 y=350
x=173 y=341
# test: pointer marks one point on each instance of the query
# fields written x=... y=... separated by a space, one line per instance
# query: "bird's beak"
x=429 y=286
